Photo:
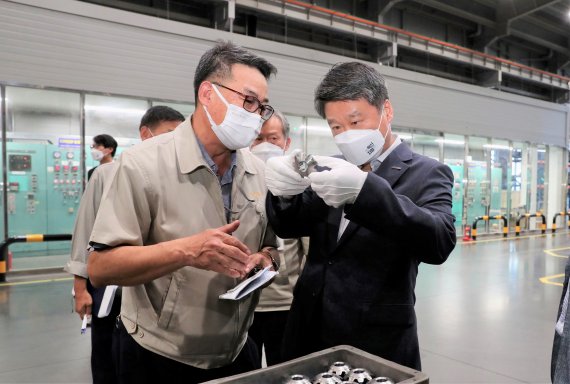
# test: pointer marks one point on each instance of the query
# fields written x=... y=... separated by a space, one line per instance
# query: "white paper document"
x=249 y=285
x=107 y=302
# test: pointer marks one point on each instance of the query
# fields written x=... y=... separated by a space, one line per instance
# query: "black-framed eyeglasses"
x=252 y=104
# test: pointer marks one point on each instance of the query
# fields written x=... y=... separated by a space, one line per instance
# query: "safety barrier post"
x=528 y=216
x=543 y=225
x=518 y=223
x=556 y=215
x=505 y=224
x=487 y=218
x=4 y=245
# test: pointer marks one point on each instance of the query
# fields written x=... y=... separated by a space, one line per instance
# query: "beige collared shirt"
x=164 y=190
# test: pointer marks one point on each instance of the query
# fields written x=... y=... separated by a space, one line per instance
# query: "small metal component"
x=304 y=164
x=298 y=379
x=382 y=379
x=341 y=369
x=327 y=378
x=359 y=375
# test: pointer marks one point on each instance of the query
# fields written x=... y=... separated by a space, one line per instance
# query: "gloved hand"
x=341 y=184
x=281 y=177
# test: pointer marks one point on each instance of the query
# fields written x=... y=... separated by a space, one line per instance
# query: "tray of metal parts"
x=312 y=365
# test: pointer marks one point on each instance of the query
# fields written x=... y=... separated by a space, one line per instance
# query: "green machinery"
x=44 y=190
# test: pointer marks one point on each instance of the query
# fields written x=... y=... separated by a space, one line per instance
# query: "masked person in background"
x=372 y=219
x=102 y=150
x=182 y=222
x=275 y=300
x=156 y=121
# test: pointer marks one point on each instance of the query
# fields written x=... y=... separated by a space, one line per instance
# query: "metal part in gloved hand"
x=305 y=164
x=282 y=177
x=339 y=185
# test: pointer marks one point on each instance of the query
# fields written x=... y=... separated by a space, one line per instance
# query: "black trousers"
x=102 y=330
x=267 y=330
x=138 y=365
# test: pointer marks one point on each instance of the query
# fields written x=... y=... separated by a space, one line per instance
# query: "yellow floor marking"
x=546 y=279
x=503 y=239
x=550 y=252
x=35 y=282
x=554 y=252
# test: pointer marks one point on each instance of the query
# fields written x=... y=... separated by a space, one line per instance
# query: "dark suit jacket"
x=360 y=290
x=560 y=362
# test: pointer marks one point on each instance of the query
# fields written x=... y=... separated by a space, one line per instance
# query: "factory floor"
x=485 y=316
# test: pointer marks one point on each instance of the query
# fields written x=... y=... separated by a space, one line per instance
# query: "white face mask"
x=96 y=154
x=359 y=146
x=266 y=150
x=239 y=128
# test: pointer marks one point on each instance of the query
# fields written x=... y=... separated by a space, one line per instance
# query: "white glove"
x=341 y=184
x=281 y=177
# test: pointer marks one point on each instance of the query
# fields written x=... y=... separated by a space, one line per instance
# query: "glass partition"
x=428 y=145
x=116 y=116
x=185 y=109
x=404 y=134
x=520 y=181
x=477 y=195
x=320 y=139
x=296 y=132
x=541 y=178
x=555 y=185
x=44 y=175
x=499 y=154
x=37 y=115
x=454 y=157
x=119 y=117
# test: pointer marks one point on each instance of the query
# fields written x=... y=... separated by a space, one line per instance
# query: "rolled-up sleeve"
x=86 y=214
x=124 y=217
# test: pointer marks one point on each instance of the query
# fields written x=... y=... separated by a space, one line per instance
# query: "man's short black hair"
x=159 y=113
x=217 y=63
x=351 y=81
x=106 y=141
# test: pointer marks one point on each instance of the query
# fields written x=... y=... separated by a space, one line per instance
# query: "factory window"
x=185 y=109
x=454 y=157
x=319 y=138
x=296 y=132
x=43 y=169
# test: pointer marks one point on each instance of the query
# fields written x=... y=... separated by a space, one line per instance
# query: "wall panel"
x=75 y=45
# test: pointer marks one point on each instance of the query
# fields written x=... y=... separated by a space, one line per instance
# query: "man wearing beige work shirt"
x=184 y=221
x=156 y=121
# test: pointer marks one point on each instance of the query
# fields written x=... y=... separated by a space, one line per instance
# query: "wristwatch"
x=267 y=253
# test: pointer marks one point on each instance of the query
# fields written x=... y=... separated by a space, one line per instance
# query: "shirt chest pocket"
x=253 y=222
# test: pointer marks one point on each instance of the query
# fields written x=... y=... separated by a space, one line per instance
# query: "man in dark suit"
x=371 y=218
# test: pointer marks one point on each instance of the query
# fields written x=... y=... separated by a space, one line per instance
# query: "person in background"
x=156 y=121
x=271 y=313
x=372 y=218
x=183 y=222
x=103 y=150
